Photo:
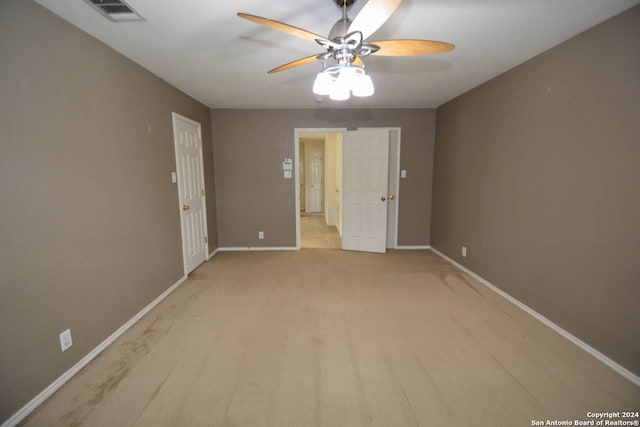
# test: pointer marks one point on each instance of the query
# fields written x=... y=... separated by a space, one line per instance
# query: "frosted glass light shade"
x=363 y=86
x=341 y=81
x=348 y=76
x=339 y=93
x=323 y=84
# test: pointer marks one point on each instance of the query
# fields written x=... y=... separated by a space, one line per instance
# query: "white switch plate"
x=174 y=177
x=287 y=174
x=260 y=235
x=65 y=340
x=403 y=173
x=464 y=251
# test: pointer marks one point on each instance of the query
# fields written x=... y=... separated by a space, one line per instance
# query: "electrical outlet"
x=260 y=235
x=65 y=340
x=464 y=251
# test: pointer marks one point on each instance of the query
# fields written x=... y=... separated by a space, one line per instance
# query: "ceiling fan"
x=346 y=46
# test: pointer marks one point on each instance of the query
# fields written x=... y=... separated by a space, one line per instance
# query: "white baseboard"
x=635 y=379
x=212 y=254
x=257 y=248
x=412 y=247
x=54 y=386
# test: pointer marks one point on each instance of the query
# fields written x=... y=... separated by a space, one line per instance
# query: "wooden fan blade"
x=410 y=47
x=296 y=63
x=358 y=62
x=280 y=26
x=373 y=15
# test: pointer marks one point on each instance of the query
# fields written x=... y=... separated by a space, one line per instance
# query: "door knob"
x=383 y=198
x=185 y=207
x=391 y=197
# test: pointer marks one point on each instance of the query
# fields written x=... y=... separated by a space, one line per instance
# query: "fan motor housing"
x=340 y=28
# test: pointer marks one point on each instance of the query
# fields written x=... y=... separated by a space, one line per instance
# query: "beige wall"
x=252 y=195
x=537 y=173
x=89 y=220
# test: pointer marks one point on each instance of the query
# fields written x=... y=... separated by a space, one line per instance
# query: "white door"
x=339 y=181
x=188 y=143
x=365 y=163
x=316 y=177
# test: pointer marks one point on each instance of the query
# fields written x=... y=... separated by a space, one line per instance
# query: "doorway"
x=333 y=214
x=318 y=193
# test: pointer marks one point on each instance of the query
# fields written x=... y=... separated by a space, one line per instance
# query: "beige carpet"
x=315 y=233
x=333 y=338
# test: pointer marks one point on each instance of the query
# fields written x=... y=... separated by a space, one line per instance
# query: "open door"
x=364 y=190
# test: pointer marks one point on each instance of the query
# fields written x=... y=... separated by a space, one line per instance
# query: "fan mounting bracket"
x=341 y=3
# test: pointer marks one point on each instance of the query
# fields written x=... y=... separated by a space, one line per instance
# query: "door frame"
x=394 y=168
x=296 y=162
x=174 y=118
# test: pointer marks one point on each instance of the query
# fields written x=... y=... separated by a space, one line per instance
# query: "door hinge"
x=202 y=191
x=206 y=239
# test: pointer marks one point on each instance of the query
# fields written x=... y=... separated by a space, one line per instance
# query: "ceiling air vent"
x=116 y=10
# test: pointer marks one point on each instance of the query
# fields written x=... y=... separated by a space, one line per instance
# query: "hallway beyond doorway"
x=315 y=233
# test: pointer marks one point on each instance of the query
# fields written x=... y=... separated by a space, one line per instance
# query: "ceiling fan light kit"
x=346 y=47
x=342 y=81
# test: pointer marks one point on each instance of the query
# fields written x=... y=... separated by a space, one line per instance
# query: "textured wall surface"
x=90 y=223
x=536 y=172
x=252 y=195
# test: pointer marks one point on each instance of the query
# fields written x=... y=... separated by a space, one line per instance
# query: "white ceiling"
x=202 y=47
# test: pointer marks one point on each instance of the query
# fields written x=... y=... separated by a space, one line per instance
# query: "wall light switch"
x=288 y=174
x=174 y=177
x=464 y=251
x=403 y=173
